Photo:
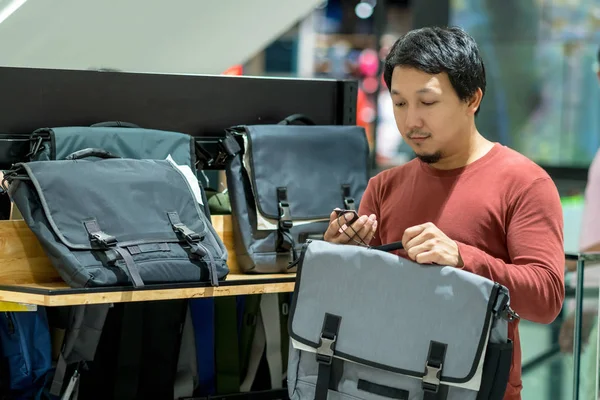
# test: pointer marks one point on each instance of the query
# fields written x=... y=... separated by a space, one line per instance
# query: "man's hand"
x=427 y=244
x=360 y=232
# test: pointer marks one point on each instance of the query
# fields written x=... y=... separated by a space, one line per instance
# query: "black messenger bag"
x=284 y=181
x=107 y=221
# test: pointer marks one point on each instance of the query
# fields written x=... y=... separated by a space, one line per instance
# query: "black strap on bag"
x=432 y=387
x=325 y=353
x=389 y=247
x=285 y=240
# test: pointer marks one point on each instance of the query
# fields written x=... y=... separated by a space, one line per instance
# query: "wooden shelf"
x=27 y=276
x=58 y=294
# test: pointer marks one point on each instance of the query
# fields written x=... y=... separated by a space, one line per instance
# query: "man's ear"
x=474 y=102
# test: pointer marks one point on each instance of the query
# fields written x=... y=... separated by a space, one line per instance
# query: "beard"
x=430 y=158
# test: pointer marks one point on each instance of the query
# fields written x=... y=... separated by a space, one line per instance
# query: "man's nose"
x=413 y=119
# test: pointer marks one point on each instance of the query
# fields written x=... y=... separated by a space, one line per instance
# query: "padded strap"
x=132 y=268
x=187 y=364
x=256 y=351
x=59 y=375
x=129 y=352
x=325 y=352
x=432 y=389
x=227 y=365
x=269 y=309
x=248 y=329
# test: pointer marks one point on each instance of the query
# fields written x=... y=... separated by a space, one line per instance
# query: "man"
x=463 y=201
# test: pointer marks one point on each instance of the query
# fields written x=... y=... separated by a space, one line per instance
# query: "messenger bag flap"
x=124 y=141
x=313 y=168
x=391 y=310
x=129 y=200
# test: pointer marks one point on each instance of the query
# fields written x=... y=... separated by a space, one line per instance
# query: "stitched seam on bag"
x=312 y=385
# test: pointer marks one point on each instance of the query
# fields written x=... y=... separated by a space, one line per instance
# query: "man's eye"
x=400 y=104
x=429 y=104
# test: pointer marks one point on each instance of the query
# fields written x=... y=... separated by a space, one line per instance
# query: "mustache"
x=417 y=133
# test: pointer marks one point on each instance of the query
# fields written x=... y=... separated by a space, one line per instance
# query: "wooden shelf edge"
x=103 y=297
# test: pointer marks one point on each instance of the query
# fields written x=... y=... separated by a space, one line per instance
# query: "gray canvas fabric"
x=59 y=142
x=127 y=141
x=299 y=159
x=391 y=309
x=130 y=201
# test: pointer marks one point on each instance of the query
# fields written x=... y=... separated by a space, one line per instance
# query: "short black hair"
x=439 y=49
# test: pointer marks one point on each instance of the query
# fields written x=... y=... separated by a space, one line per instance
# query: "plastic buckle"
x=431 y=379
x=325 y=350
x=189 y=235
x=103 y=239
x=349 y=203
x=285 y=217
x=36 y=147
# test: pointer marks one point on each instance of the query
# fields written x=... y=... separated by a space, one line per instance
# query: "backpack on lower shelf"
x=366 y=323
x=25 y=354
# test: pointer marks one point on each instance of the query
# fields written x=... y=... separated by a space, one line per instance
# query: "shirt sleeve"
x=535 y=274
x=369 y=204
x=590 y=222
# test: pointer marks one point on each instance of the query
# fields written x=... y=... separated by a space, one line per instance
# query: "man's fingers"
x=411 y=233
x=427 y=257
x=362 y=228
x=414 y=251
x=332 y=233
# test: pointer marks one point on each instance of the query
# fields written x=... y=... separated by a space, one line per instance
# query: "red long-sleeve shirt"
x=505 y=214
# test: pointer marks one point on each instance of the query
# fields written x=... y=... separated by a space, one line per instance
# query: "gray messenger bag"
x=367 y=324
x=109 y=221
x=284 y=180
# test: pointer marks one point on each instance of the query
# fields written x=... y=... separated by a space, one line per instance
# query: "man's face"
x=428 y=113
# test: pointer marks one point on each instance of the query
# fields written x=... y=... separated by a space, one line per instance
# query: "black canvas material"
x=131 y=201
x=309 y=169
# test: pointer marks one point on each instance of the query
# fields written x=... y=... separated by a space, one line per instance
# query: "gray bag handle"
x=90 y=152
x=115 y=124
x=296 y=118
